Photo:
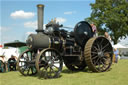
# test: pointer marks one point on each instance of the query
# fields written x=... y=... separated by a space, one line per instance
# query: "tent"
x=123 y=50
x=8 y=52
x=118 y=46
x=13 y=48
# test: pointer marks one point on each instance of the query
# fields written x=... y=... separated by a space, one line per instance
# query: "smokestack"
x=40 y=8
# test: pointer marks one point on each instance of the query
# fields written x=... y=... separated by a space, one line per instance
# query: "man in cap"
x=12 y=63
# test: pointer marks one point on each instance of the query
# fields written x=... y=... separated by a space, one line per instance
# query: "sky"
x=18 y=18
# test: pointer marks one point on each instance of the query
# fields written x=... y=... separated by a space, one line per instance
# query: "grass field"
x=118 y=75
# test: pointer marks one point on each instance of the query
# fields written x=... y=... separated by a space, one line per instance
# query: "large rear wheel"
x=98 y=54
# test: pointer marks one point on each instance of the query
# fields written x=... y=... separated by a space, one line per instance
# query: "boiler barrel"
x=36 y=41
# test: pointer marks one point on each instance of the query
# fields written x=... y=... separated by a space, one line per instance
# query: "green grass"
x=118 y=75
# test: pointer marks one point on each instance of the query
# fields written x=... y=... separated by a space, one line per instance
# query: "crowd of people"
x=7 y=65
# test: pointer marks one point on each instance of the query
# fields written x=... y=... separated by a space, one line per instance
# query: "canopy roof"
x=16 y=43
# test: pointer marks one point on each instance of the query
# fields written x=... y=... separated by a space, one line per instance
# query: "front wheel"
x=23 y=64
x=49 y=63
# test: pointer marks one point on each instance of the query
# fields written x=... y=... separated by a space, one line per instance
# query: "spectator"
x=107 y=36
x=12 y=63
x=94 y=29
x=3 y=59
x=116 y=53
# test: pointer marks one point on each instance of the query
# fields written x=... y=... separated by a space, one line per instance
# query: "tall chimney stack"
x=40 y=8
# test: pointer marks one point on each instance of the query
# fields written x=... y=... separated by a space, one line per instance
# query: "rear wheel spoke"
x=97 y=61
x=94 y=52
x=94 y=57
x=105 y=46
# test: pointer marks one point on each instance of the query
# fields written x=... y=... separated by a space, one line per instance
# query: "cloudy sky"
x=18 y=18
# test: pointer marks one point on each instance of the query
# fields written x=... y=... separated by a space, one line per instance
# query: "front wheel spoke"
x=55 y=66
x=28 y=71
x=32 y=69
x=46 y=67
x=24 y=69
x=55 y=58
x=23 y=61
x=57 y=62
x=22 y=66
x=50 y=71
x=43 y=62
x=42 y=72
x=53 y=70
x=46 y=60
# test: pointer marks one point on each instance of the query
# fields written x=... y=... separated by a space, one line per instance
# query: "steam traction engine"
x=49 y=48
